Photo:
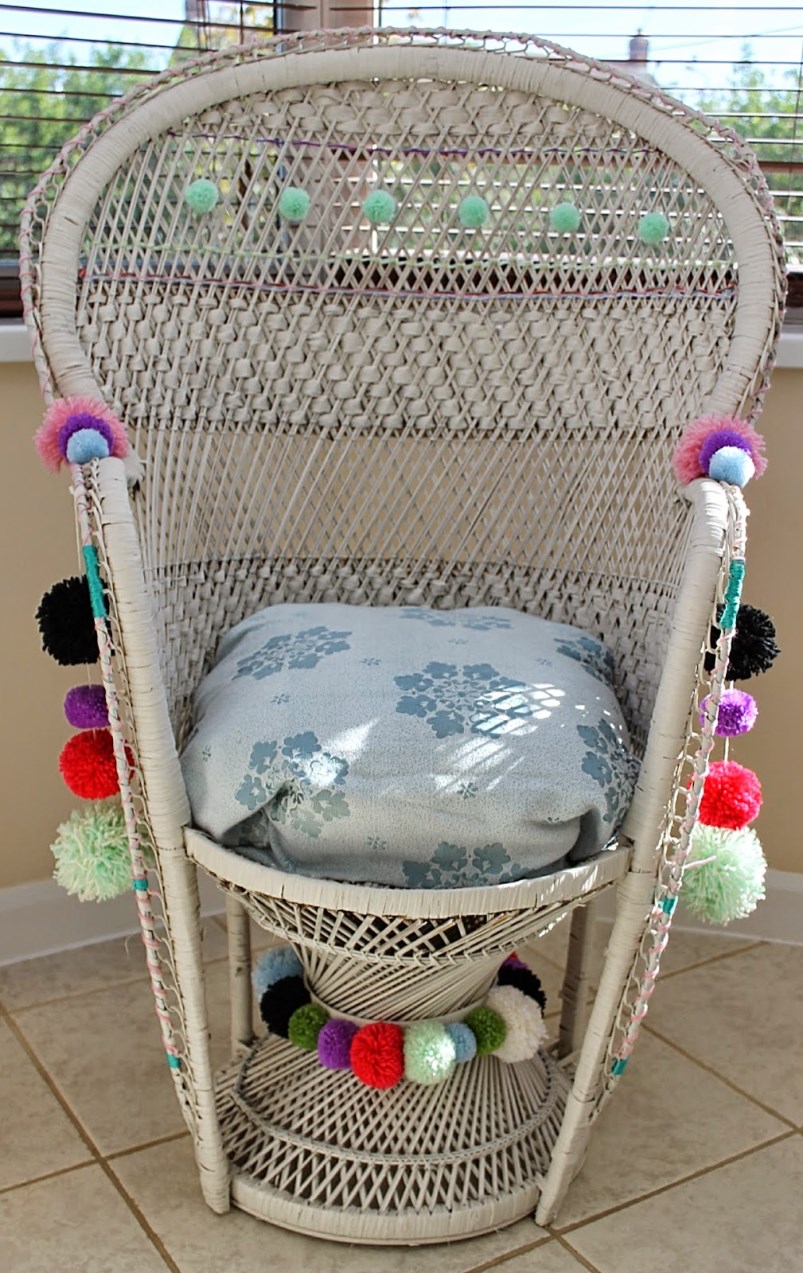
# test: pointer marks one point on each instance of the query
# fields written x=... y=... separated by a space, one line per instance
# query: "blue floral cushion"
x=411 y=747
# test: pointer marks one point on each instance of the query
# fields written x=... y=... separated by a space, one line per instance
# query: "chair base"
x=314 y=1150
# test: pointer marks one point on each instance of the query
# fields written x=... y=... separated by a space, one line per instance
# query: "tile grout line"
x=709 y=1069
x=49 y=1175
x=499 y=1261
x=146 y=1144
x=576 y=1255
x=567 y=1230
x=97 y=1158
x=714 y=959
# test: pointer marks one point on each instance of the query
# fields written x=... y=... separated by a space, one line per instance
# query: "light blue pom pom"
x=731 y=464
x=565 y=218
x=653 y=228
x=465 y=1045
x=85 y=445
x=293 y=204
x=473 y=212
x=379 y=208
x=272 y=966
x=201 y=195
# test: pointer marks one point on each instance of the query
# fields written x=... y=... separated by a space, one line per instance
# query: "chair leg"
x=577 y=980
x=239 y=937
x=633 y=906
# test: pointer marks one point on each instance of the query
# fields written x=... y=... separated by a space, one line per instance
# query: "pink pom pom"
x=687 y=460
x=731 y=796
x=48 y=441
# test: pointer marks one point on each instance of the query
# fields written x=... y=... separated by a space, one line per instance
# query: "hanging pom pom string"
x=379 y=207
x=78 y=429
x=564 y=218
x=724 y=875
x=294 y=204
x=66 y=623
x=201 y=196
x=753 y=649
x=738 y=712
x=91 y=852
x=704 y=438
x=473 y=212
x=85 y=707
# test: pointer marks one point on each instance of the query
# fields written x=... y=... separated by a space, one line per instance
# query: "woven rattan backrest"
x=414 y=412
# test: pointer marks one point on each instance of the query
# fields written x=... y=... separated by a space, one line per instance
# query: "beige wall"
x=39 y=548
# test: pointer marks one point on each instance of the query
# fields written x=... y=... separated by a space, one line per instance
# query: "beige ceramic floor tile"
x=744 y=1017
x=743 y=1218
x=37 y=1136
x=686 y=949
x=552 y=1258
x=666 y=1120
x=163 y=1183
x=76 y=1223
x=104 y=1053
x=86 y=968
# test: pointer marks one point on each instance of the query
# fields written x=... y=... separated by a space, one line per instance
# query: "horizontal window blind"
x=60 y=65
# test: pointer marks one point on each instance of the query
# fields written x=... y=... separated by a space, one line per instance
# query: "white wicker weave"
x=416 y=414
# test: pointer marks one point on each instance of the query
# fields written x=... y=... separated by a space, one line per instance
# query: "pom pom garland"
x=737 y=713
x=280 y=1001
x=429 y=1053
x=525 y=1031
x=86 y=445
x=731 y=796
x=66 y=417
x=293 y=204
x=731 y=884
x=564 y=218
x=305 y=1025
x=379 y=208
x=488 y=1029
x=88 y=766
x=91 y=852
x=731 y=464
x=688 y=461
x=465 y=1044
x=527 y=982
x=274 y=965
x=653 y=228
x=473 y=212
x=85 y=707
x=377 y=1054
x=66 y=623
x=334 y=1044
x=201 y=196
x=753 y=647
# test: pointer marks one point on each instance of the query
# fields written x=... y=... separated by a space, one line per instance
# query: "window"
x=741 y=62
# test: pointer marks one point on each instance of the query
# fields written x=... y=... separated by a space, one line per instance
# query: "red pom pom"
x=87 y=765
x=377 y=1054
x=731 y=796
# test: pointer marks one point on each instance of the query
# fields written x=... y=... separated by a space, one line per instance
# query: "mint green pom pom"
x=564 y=218
x=379 y=208
x=429 y=1053
x=306 y=1024
x=473 y=212
x=91 y=852
x=729 y=887
x=201 y=195
x=293 y=204
x=653 y=228
x=489 y=1029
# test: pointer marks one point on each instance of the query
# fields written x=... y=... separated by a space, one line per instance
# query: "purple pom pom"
x=85 y=707
x=737 y=713
x=719 y=438
x=84 y=420
x=513 y=961
x=334 y=1044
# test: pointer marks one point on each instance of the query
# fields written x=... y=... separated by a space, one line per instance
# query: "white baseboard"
x=40 y=918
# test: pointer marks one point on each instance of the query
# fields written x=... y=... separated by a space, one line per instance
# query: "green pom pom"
x=201 y=195
x=293 y=204
x=306 y=1024
x=379 y=208
x=473 y=212
x=653 y=228
x=91 y=852
x=489 y=1029
x=564 y=218
x=429 y=1053
x=730 y=886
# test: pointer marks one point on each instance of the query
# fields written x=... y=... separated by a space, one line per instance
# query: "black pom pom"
x=753 y=649
x=66 y=623
x=525 y=981
x=280 y=1001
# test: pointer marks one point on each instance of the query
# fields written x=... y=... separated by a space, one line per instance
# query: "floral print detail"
x=280 y=699
x=467 y=790
x=454 y=866
x=443 y=619
x=292 y=650
x=594 y=656
x=301 y=785
x=609 y=763
x=206 y=753
x=376 y=845
x=455 y=699
x=371 y=662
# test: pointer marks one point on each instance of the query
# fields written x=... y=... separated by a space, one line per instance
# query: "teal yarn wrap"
x=473 y=212
x=565 y=218
x=733 y=594
x=96 y=598
x=653 y=228
x=379 y=208
x=173 y=1061
x=201 y=196
x=429 y=1053
x=294 y=204
x=620 y=1066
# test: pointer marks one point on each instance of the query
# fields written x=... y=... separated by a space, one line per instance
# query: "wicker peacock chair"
x=414 y=414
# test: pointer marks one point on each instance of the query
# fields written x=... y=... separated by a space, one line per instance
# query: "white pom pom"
x=526 y=1031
